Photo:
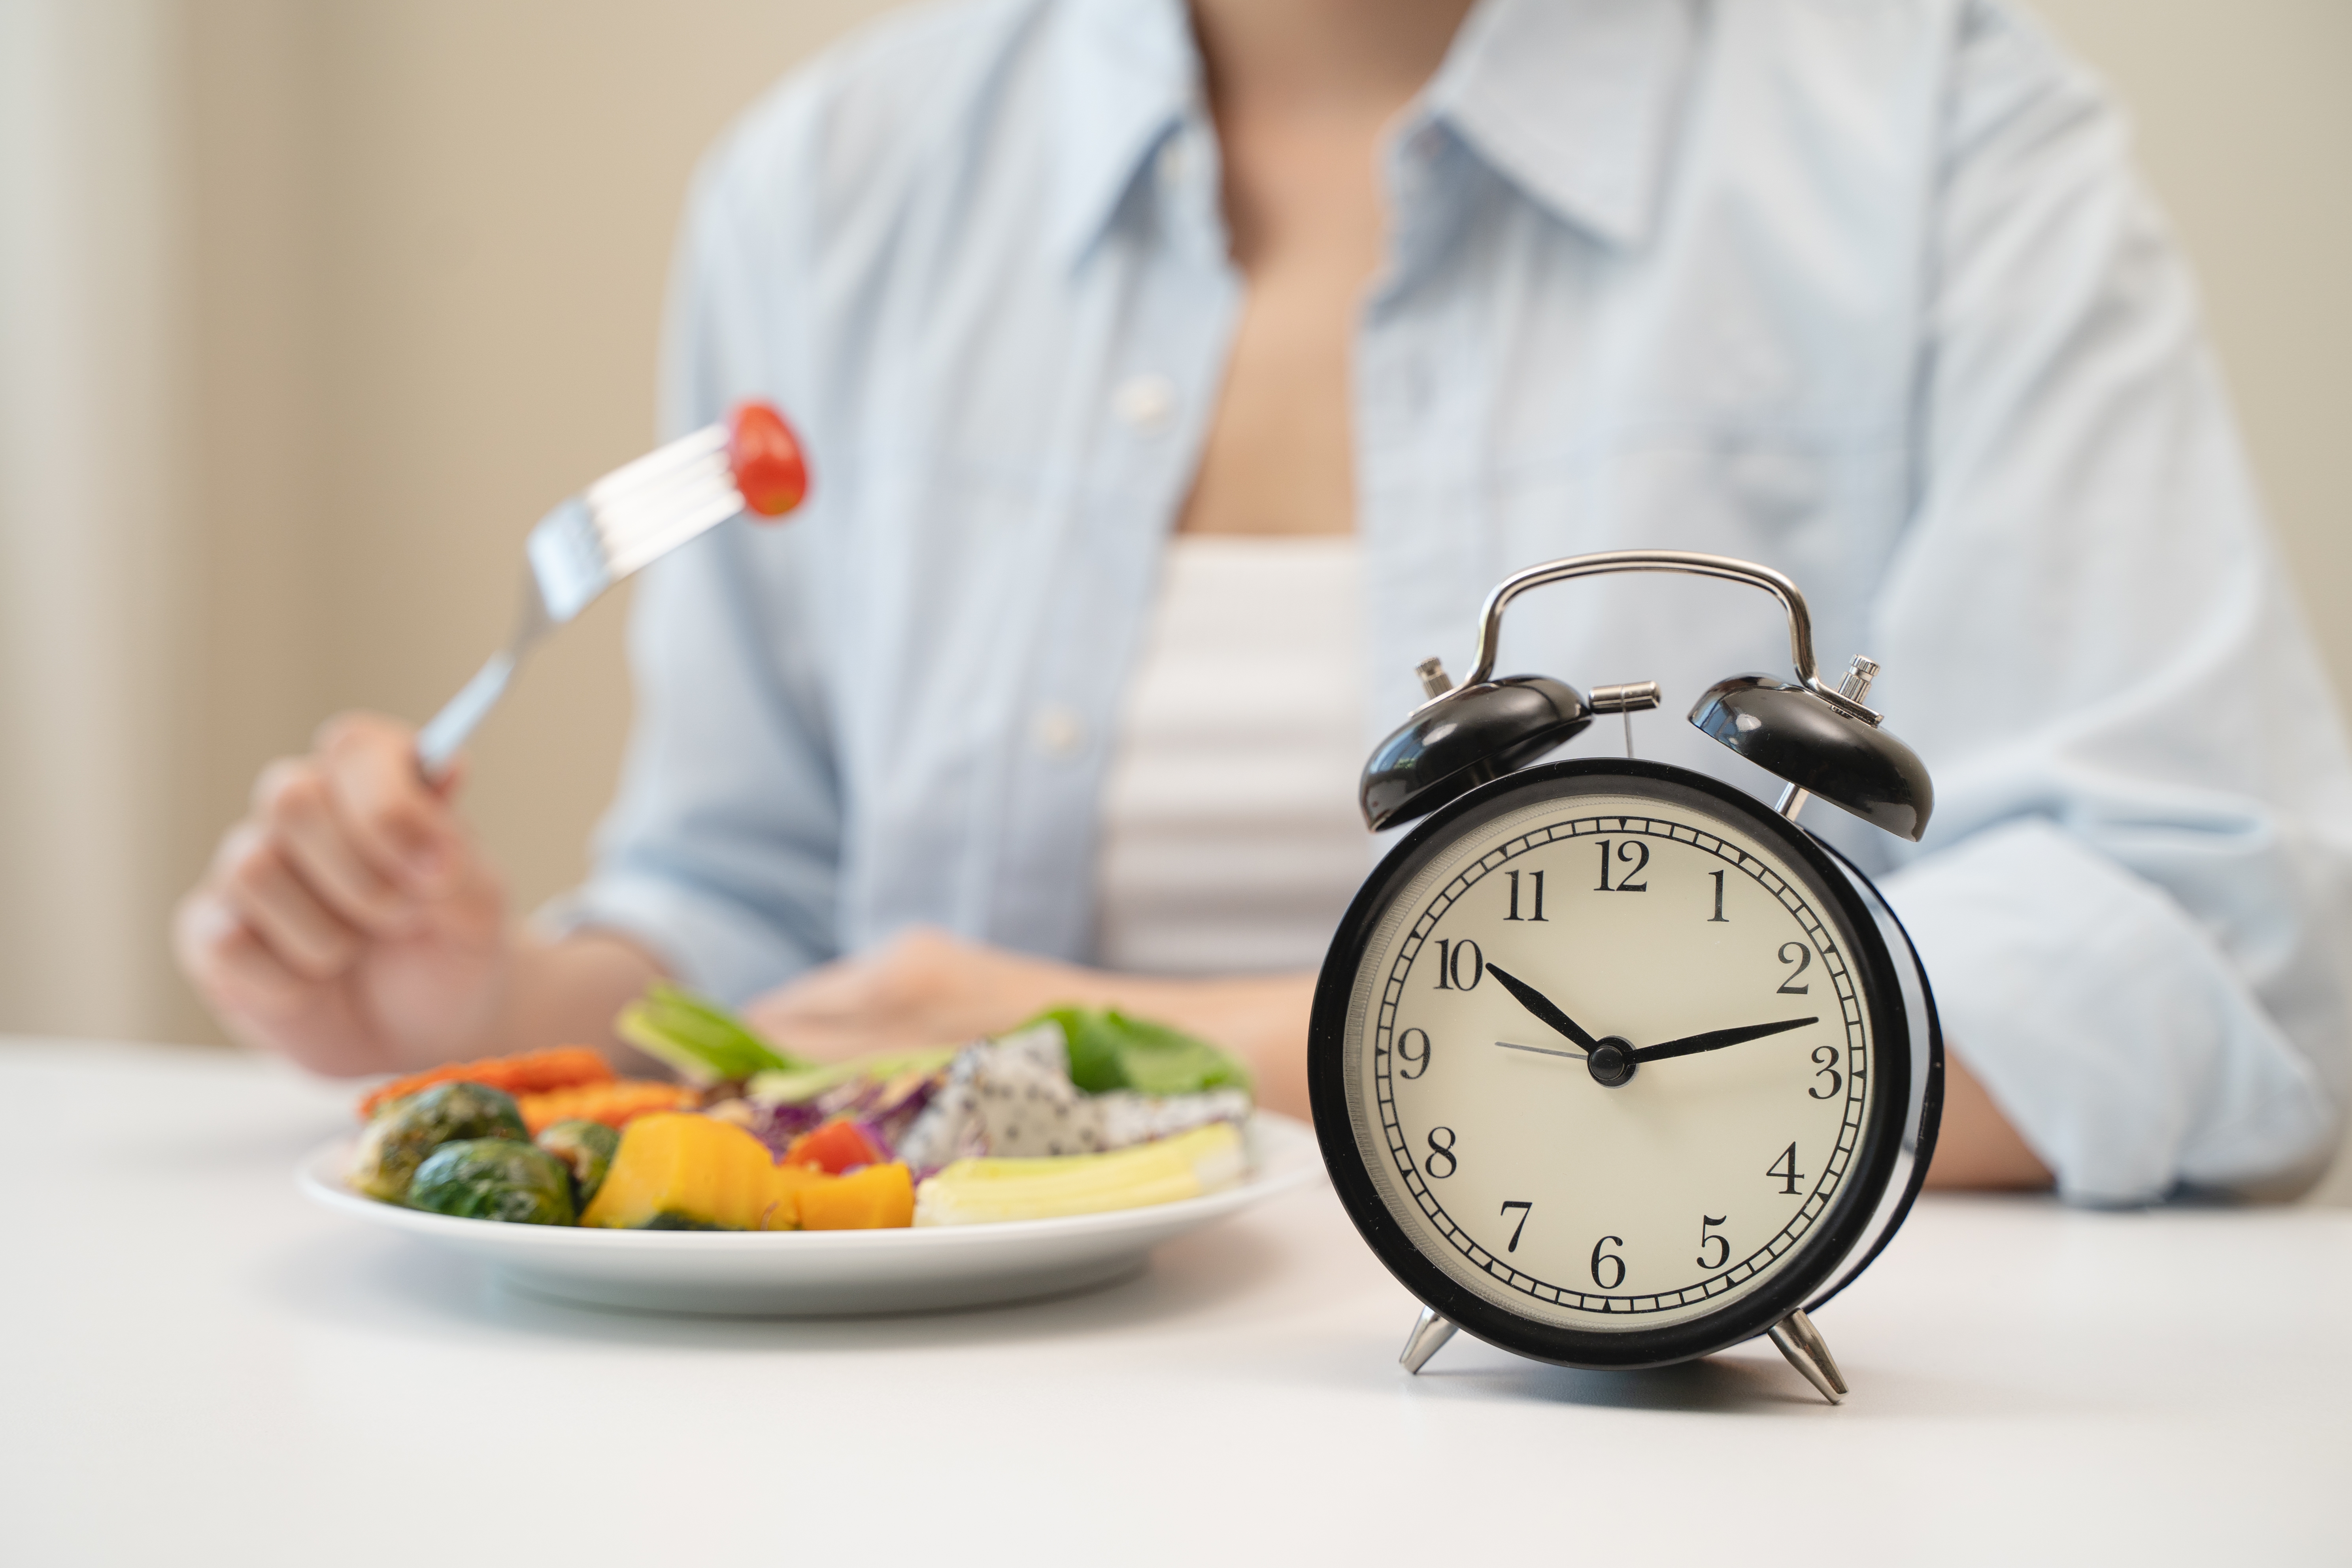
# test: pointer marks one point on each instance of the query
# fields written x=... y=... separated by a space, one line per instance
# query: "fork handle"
x=437 y=743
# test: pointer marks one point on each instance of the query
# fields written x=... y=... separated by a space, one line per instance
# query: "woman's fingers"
x=262 y=1002
x=261 y=888
x=839 y=991
x=358 y=830
x=297 y=810
x=922 y=988
x=892 y=988
x=840 y=1010
x=400 y=825
x=232 y=966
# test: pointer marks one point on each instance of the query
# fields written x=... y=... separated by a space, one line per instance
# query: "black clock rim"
x=1833 y=1237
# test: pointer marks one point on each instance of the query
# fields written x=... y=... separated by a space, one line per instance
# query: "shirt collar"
x=1574 y=101
x=1127 y=73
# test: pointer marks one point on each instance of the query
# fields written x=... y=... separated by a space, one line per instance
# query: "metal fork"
x=629 y=518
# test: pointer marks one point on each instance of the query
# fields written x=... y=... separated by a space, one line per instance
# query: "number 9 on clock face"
x=1612 y=1065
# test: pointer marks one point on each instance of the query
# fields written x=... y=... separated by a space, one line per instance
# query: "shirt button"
x=1057 y=731
x=1145 y=403
x=1175 y=161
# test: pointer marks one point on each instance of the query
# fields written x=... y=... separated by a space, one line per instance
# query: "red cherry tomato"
x=839 y=1146
x=766 y=457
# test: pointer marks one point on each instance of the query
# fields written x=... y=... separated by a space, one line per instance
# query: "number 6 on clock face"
x=1620 y=1063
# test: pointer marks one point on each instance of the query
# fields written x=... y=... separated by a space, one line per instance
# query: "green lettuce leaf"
x=706 y=1043
x=1108 y=1051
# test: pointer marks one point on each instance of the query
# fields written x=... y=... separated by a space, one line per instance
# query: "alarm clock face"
x=1612 y=1062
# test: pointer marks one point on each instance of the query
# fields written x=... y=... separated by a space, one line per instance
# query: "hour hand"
x=1714 y=1040
x=1535 y=1002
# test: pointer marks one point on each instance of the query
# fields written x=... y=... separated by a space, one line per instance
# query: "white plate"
x=823 y=1272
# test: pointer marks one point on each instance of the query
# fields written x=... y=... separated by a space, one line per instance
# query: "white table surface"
x=200 y=1367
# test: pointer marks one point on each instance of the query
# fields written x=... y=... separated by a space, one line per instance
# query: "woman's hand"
x=1978 y=1149
x=349 y=921
x=923 y=988
x=928 y=988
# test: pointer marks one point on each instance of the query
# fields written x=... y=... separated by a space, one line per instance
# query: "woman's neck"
x=1351 y=58
x=1300 y=91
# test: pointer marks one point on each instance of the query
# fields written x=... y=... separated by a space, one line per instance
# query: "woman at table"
x=1176 y=377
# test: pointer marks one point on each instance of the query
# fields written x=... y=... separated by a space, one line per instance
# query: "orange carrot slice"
x=615 y=1104
x=529 y=1072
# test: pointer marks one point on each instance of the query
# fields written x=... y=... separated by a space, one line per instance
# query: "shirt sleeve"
x=2134 y=896
x=721 y=852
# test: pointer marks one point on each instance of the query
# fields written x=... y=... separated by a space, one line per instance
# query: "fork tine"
x=620 y=525
x=621 y=521
x=653 y=534
x=659 y=464
x=653 y=490
x=569 y=561
x=687 y=468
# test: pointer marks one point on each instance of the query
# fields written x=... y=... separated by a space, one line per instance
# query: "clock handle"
x=1809 y=1353
x=1821 y=739
x=1428 y=1337
x=1689 y=563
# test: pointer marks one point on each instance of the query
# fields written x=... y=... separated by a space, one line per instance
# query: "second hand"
x=1542 y=1050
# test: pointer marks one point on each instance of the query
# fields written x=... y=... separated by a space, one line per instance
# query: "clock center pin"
x=1611 y=1061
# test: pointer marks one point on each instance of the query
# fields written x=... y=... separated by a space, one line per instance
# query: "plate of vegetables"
x=1050 y=1159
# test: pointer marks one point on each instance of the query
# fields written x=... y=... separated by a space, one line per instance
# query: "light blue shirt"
x=1865 y=289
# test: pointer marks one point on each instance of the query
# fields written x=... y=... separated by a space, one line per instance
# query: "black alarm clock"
x=1614 y=1065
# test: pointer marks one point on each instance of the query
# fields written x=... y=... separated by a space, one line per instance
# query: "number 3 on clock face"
x=1609 y=1047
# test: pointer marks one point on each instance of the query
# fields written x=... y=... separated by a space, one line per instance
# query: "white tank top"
x=1230 y=839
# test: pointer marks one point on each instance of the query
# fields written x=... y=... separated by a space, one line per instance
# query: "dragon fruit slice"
x=1013 y=1096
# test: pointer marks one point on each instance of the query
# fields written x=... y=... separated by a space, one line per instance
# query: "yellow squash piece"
x=708 y=1170
x=789 y=1183
x=879 y=1198
x=979 y=1191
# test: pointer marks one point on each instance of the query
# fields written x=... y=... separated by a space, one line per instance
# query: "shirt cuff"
x=707 y=946
x=2112 y=1034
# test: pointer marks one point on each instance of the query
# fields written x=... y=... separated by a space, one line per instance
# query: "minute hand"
x=1715 y=1041
x=1535 y=1002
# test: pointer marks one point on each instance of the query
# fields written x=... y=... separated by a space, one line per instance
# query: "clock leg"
x=1809 y=1353
x=1429 y=1337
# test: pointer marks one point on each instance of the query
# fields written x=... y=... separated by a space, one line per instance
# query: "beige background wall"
x=413 y=253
